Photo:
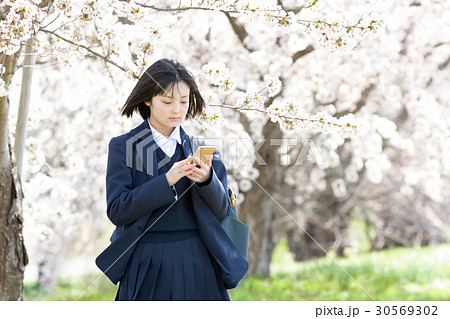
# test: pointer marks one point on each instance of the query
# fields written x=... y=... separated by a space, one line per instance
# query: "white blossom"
x=3 y=90
x=34 y=160
x=44 y=232
x=240 y=198
x=373 y=171
x=135 y=13
x=145 y=49
x=245 y=185
x=339 y=188
x=216 y=72
x=251 y=99
x=351 y=174
x=251 y=173
x=209 y=119
x=227 y=85
x=63 y=5
x=333 y=159
x=210 y=97
x=317 y=178
x=75 y=163
x=273 y=85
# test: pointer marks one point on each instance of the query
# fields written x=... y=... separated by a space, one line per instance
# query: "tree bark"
x=13 y=255
x=258 y=208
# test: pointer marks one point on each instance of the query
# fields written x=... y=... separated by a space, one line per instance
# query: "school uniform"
x=171 y=260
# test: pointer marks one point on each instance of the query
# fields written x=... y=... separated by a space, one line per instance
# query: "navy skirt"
x=179 y=269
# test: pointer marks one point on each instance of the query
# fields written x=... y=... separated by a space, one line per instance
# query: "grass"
x=72 y=288
x=393 y=274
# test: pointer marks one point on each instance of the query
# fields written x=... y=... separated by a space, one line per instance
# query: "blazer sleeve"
x=214 y=192
x=124 y=203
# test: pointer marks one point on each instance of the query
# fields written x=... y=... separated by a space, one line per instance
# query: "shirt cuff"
x=174 y=191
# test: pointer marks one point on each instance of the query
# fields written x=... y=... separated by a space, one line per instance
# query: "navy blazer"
x=134 y=190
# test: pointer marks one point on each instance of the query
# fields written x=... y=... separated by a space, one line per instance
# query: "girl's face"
x=169 y=108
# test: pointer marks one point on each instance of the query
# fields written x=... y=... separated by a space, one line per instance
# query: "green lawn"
x=394 y=274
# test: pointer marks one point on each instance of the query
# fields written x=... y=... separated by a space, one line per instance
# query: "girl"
x=152 y=178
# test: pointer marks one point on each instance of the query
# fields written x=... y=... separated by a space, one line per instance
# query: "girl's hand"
x=180 y=169
x=202 y=173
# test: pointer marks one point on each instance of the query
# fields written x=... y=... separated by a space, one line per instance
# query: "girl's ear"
x=147 y=103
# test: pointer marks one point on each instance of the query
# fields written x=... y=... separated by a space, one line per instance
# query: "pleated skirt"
x=175 y=270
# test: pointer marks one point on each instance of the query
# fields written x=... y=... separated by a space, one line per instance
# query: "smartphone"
x=204 y=153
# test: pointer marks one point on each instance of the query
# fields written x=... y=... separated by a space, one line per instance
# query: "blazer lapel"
x=146 y=160
x=186 y=144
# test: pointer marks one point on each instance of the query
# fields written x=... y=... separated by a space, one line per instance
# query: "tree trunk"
x=13 y=255
x=327 y=227
x=258 y=208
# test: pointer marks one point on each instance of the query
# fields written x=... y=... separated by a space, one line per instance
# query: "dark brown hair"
x=158 y=78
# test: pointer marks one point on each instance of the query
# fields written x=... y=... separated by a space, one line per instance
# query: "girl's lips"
x=174 y=118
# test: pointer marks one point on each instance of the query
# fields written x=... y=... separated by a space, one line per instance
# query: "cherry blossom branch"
x=444 y=64
x=239 y=30
x=199 y=8
x=284 y=117
x=84 y=47
x=282 y=20
x=299 y=54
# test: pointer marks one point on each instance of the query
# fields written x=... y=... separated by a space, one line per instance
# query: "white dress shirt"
x=168 y=145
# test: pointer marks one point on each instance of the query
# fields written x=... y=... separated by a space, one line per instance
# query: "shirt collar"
x=161 y=138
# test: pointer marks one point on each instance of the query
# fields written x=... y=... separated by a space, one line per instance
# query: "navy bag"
x=236 y=230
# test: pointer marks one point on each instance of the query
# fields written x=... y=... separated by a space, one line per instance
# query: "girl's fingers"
x=199 y=163
x=198 y=170
x=185 y=165
x=199 y=174
x=207 y=164
x=191 y=166
x=188 y=168
x=204 y=167
x=184 y=162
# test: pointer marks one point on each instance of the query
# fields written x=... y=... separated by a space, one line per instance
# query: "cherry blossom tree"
x=394 y=176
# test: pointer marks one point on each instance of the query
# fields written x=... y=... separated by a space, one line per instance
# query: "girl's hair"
x=162 y=76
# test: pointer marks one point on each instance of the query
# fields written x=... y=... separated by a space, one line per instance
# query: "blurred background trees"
x=329 y=115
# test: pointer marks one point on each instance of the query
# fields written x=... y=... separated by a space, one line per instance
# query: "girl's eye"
x=167 y=102
x=184 y=102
